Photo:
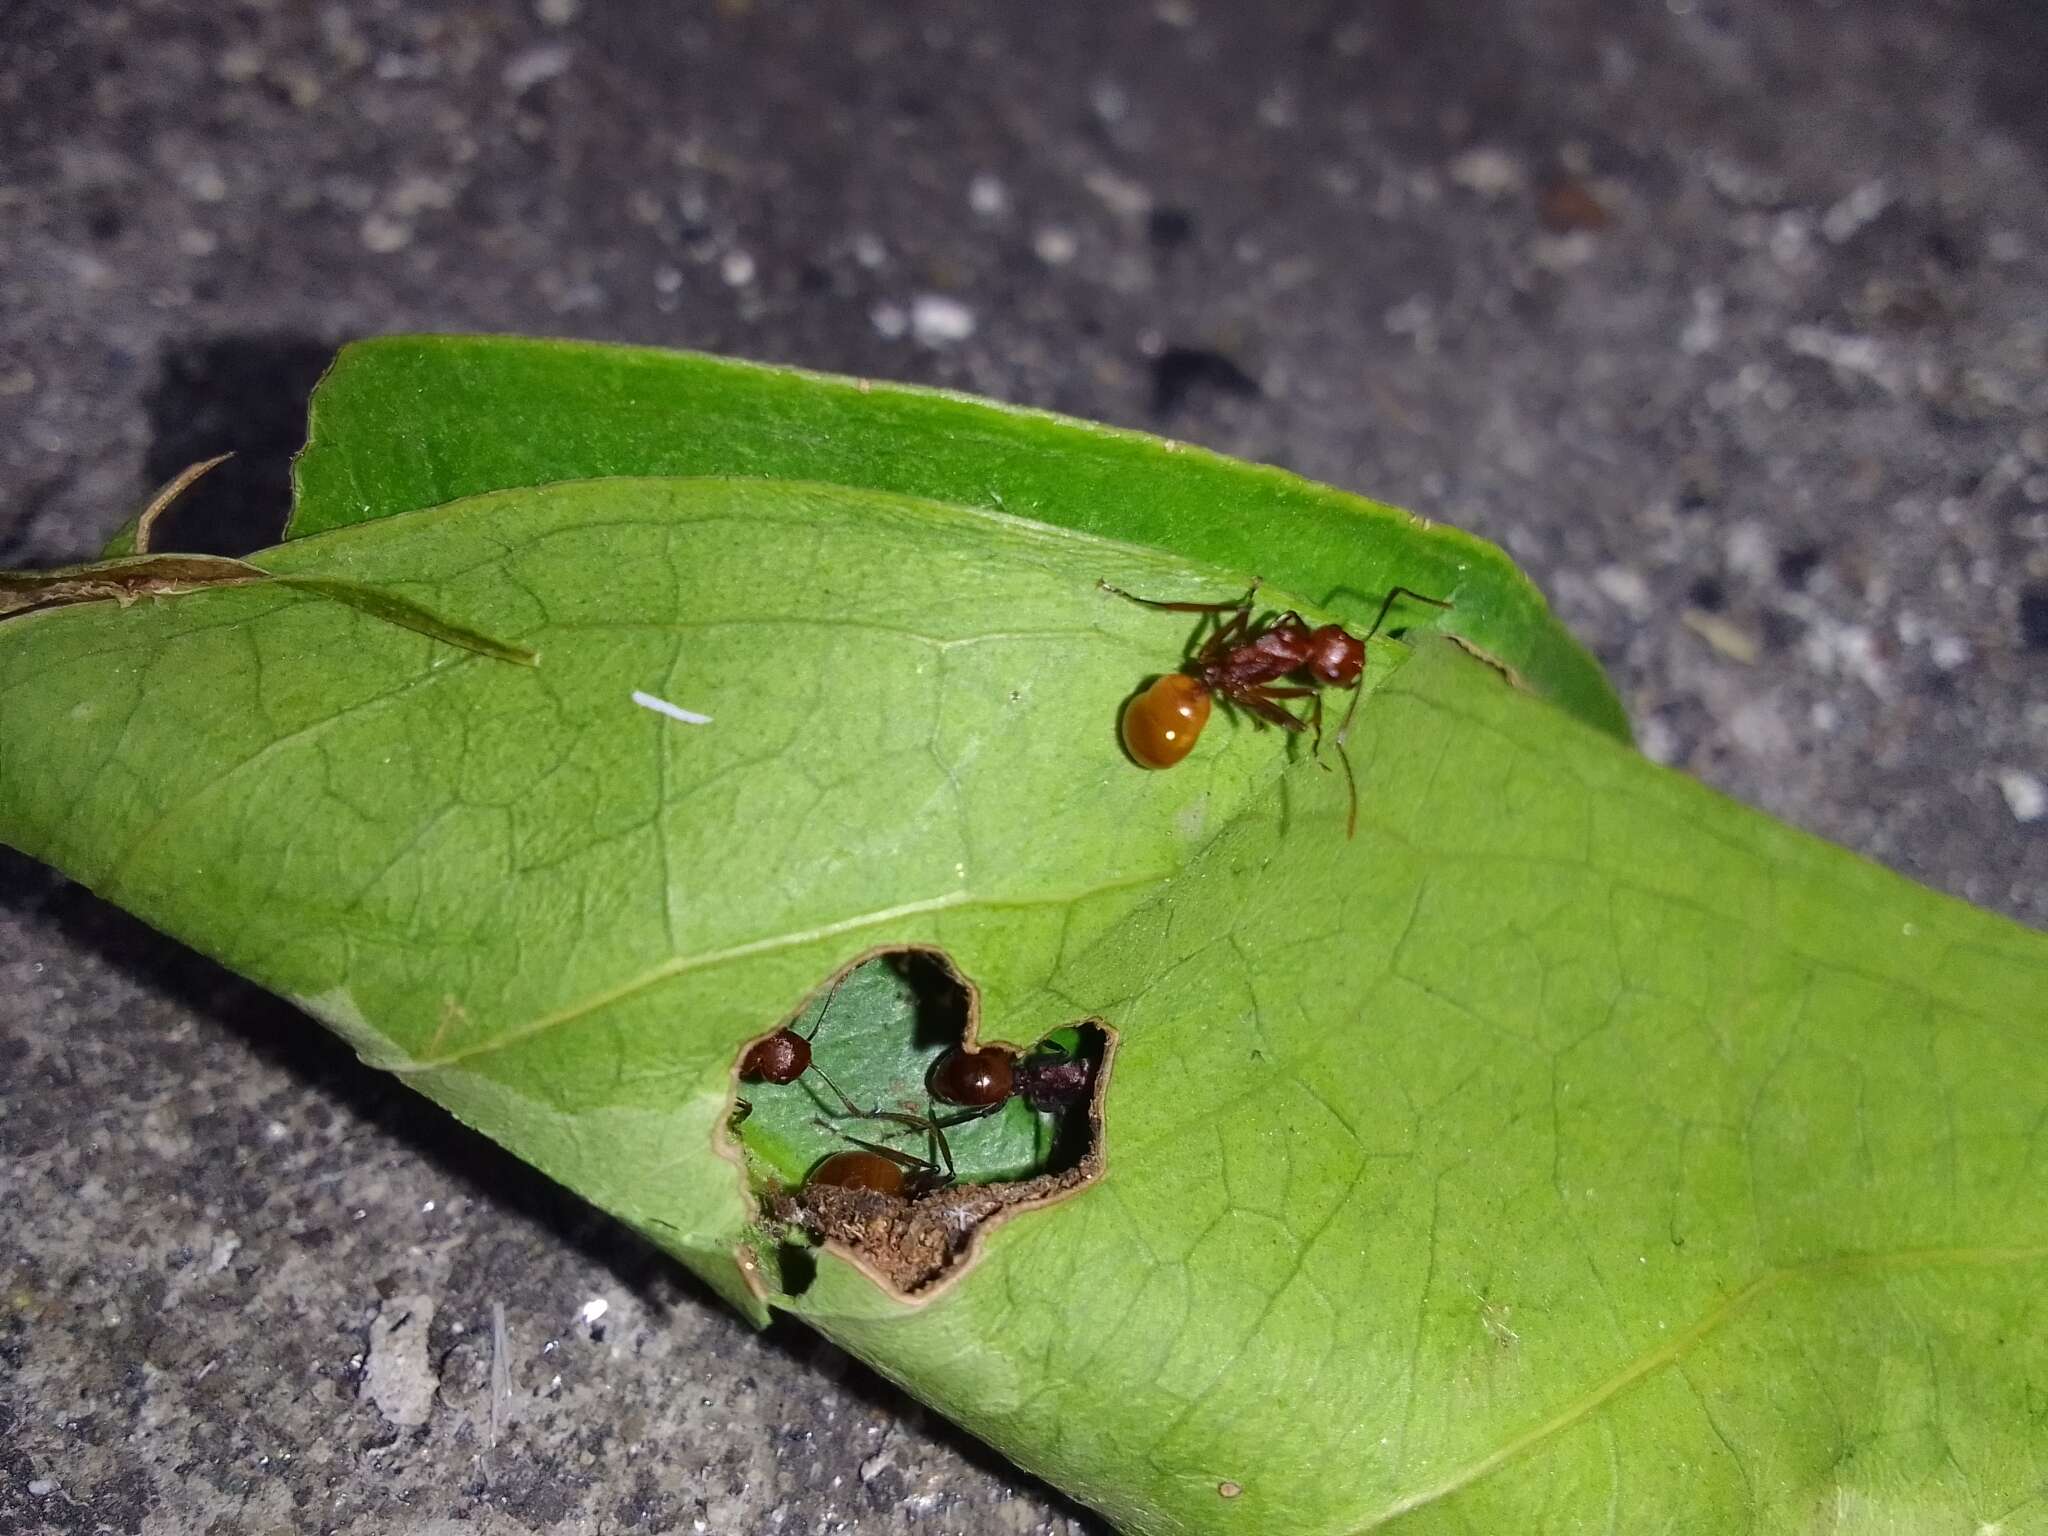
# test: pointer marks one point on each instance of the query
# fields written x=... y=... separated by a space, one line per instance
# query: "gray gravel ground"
x=1728 y=317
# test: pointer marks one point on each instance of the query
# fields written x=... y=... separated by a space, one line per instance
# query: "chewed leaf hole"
x=867 y=1123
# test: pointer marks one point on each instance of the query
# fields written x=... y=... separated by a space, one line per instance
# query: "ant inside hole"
x=884 y=1170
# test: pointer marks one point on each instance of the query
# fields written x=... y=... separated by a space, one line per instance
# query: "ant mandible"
x=1245 y=665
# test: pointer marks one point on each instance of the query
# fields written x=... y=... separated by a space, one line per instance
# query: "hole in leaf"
x=857 y=1131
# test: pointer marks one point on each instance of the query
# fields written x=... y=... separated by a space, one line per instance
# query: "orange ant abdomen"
x=1160 y=725
x=857 y=1169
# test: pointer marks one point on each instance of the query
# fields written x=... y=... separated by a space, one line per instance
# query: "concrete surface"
x=1728 y=317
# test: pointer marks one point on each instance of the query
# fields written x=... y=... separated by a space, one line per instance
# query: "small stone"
x=384 y=234
x=939 y=321
x=987 y=196
x=535 y=66
x=1623 y=587
x=737 y=268
x=239 y=65
x=2025 y=795
x=41 y=1487
x=1852 y=213
x=1491 y=172
x=1055 y=246
x=398 y=1377
x=889 y=320
x=557 y=13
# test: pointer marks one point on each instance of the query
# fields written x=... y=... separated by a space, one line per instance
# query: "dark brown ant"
x=1051 y=1080
x=1245 y=664
x=785 y=1056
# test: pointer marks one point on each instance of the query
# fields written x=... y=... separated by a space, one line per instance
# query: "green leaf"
x=406 y=422
x=1571 y=1148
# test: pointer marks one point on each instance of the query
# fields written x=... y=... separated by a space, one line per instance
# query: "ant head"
x=782 y=1058
x=1334 y=656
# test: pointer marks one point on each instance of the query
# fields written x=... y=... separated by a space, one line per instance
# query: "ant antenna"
x=1358 y=691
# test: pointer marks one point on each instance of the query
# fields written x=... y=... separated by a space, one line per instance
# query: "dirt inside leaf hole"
x=912 y=1244
x=912 y=1220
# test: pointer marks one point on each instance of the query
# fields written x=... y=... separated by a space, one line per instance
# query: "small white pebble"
x=535 y=66
x=1949 y=652
x=939 y=321
x=1055 y=246
x=987 y=196
x=889 y=320
x=1657 y=742
x=1852 y=213
x=667 y=279
x=1488 y=171
x=384 y=234
x=593 y=1309
x=41 y=1487
x=1623 y=587
x=557 y=13
x=869 y=250
x=2024 y=793
x=737 y=268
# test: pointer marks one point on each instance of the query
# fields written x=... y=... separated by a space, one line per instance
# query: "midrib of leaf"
x=682 y=965
x=1683 y=1343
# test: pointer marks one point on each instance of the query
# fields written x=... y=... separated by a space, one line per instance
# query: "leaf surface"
x=1573 y=1149
x=405 y=422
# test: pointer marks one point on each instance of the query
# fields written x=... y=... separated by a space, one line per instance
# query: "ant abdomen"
x=1160 y=725
x=975 y=1079
x=862 y=1170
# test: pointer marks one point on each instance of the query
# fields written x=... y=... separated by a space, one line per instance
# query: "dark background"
x=1729 y=318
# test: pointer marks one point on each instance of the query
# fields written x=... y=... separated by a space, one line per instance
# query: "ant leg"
x=1244 y=602
x=823 y=1013
x=1388 y=602
x=1260 y=703
x=895 y=1155
x=1350 y=778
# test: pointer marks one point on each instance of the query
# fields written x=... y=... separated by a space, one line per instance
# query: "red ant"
x=1245 y=666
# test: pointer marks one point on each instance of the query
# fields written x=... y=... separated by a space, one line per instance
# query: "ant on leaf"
x=1245 y=663
x=882 y=1170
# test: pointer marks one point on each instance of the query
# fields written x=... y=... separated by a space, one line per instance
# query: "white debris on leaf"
x=673 y=711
